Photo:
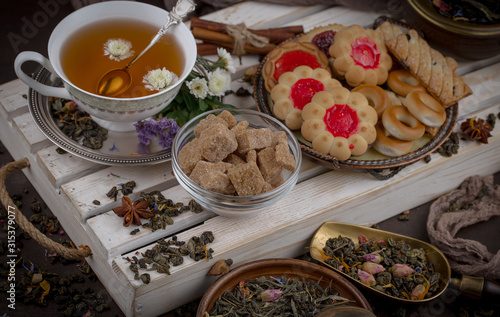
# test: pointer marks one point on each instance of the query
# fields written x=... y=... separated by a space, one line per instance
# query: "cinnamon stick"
x=227 y=41
x=206 y=48
x=275 y=35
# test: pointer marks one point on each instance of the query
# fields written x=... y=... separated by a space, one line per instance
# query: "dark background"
x=26 y=25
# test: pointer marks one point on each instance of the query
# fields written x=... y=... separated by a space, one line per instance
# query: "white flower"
x=118 y=49
x=226 y=60
x=198 y=87
x=158 y=79
x=218 y=82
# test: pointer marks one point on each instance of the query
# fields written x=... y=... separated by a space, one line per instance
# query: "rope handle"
x=26 y=225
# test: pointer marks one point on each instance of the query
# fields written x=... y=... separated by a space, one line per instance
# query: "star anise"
x=132 y=212
x=476 y=129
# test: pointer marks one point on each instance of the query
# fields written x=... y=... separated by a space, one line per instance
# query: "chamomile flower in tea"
x=158 y=79
x=218 y=82
x=118 y=49
x=198 y=87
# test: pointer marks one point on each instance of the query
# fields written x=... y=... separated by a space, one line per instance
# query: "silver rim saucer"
x=120 y=148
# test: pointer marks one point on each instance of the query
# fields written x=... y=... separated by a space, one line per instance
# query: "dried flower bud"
x=221 y=267
x=362 y=239
x=270 y=295
x=366 y=278
x=418 y=292
x=401 y=270
x=373 y=268
x=373 y=257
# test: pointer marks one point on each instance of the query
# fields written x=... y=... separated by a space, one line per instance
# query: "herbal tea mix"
x=389 y=266
x=277 y=296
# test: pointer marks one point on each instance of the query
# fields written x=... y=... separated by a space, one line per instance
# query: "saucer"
x=120 y=148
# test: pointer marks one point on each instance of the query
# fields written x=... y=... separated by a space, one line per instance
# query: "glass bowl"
x=236 y=206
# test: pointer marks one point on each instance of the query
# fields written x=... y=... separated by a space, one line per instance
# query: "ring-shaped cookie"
x=389 y=146
x=425 y=108
x=403 y=82
x=376 y=96
x=401 y=124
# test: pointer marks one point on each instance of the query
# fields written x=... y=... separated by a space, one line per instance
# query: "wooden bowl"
x=290 y=268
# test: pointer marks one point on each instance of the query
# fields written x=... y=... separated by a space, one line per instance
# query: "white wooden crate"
x=69 y=185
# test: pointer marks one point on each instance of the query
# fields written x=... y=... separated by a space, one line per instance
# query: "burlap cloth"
x=476 y=200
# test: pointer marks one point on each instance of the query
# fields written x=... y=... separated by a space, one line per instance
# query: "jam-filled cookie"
x=322 y=36
x=288 y=56
x=360 y=56
x=297 y=88
x=339 y=123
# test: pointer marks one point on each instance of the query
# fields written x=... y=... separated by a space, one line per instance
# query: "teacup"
x=116 y=114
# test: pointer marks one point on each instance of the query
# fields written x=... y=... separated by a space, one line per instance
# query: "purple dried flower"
x=163 y=129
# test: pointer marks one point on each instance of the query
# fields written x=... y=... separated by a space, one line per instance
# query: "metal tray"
x=120 y=148
x=378 y=165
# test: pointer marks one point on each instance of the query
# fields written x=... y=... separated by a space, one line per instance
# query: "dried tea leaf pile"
x=391 y=267
x=170 y=252
x=270 y=296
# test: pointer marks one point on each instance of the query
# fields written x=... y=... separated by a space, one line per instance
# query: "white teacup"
x=116 y=114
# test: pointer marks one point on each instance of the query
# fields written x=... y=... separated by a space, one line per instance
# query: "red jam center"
x=324 y=40
x=303 y=90
x=290 y=60
x=341 y=120
x=365 y=53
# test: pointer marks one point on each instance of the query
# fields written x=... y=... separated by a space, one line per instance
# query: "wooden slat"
x=116 y=239
x=83 y=191
x=340 y=15
x=13 y=100
x=61 y=168
x=33 y=139
x=257 y=15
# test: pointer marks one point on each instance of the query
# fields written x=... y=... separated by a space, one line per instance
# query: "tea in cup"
x=97 y=38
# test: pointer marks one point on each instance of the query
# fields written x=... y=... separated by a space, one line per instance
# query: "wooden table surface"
x=69 y=184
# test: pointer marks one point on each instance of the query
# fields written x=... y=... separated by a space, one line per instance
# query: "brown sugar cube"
x=217 y=181
x=229 y=118
x=240 y=127
x=279 y=137
x=234 y=159
x=284 y=157
x=268 y=165
x=277 y=181
x=217 y=142
x=246 y=179
x=254 y=139
x=267 y=188
x=207 y=122
x=189 y=156
x=252 y=156
x=204 y=167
